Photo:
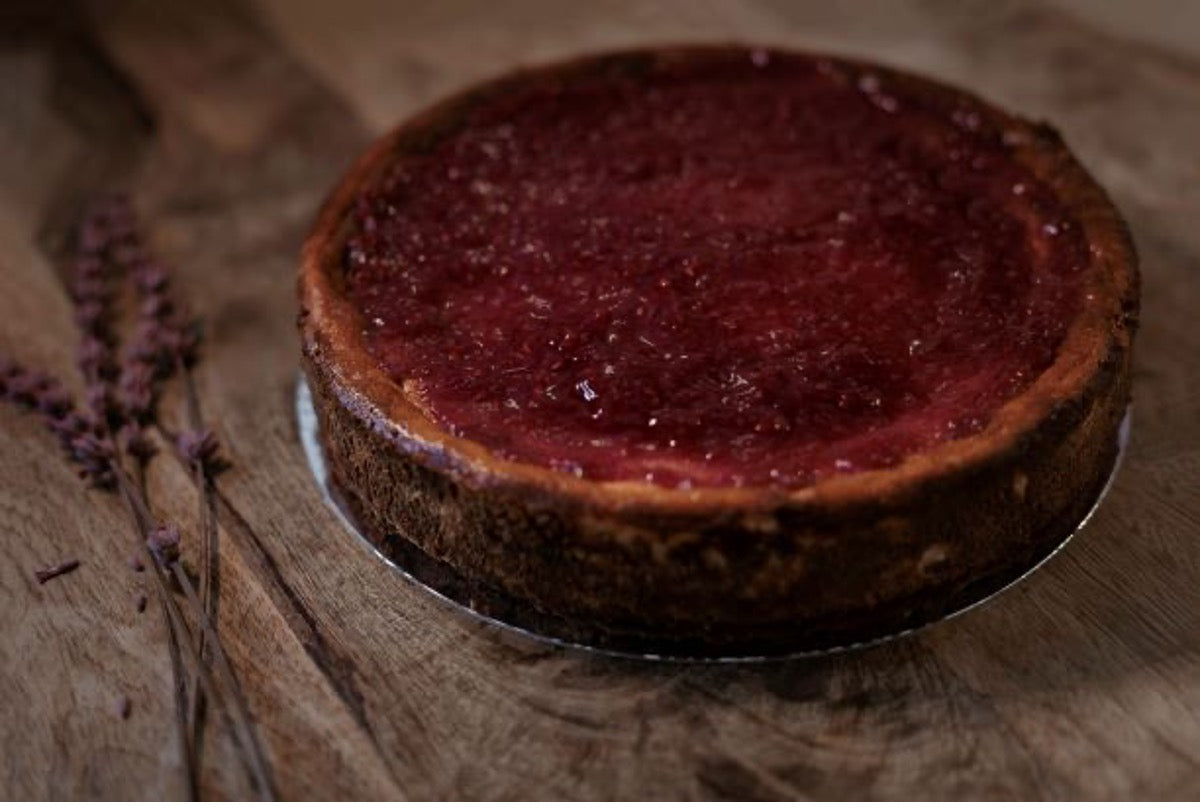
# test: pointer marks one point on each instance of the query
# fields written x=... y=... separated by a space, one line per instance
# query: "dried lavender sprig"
x=260 y=768
x=166 y=342
x=108 y=244
x=108 y=239
x=87 y=444
x=199 y=449
x=130 y=403
x=163 y=544
x=161 y=548
x=104 y=225
x=202 y=451
x=165 y=338
x=122 y=395
x=80 y=437
x=109 y=247
x=52 y=572
x=138 y=514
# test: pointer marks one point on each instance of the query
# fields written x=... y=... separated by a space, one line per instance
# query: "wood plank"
x=229 y=122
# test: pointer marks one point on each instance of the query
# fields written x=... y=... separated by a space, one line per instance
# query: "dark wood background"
x=228 y=121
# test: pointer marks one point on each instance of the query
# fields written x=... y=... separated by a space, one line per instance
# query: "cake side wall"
x=725 y=577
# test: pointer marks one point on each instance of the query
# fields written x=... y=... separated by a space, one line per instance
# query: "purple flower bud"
x=92 y=355
x=98 y=401
x=24 y=388
x=123 y=229
x=163 y=542
x=89 y=314
x=68 y=426
x=156 y=305
x=182 y=338
x=87 y=288
x=93 y=237
x=54 y=402
x=90 y=449
x=134 y=442
x=144 y=347
x=137 y=391
x=201 y=448
x=150 y=278
x=88 y=268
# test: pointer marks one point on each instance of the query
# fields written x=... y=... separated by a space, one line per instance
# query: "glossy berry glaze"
x=753 y=269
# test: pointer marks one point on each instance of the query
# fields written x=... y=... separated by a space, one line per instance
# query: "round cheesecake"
x=719 y=349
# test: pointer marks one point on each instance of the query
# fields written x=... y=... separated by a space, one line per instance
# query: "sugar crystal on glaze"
x=753 y=271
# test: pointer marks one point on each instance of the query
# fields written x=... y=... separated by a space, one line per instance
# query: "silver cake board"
x=438 y=581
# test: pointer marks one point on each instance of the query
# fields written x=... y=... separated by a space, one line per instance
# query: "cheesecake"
x=719 y=349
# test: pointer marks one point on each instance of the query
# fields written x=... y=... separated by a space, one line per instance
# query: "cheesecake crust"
x=737 y=569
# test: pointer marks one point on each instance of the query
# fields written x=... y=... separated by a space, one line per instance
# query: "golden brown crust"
x=714 y=562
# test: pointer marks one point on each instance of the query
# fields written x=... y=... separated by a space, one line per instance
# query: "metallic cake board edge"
x=306 y=419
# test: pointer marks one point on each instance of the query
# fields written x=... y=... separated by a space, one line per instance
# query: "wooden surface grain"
x=228 y=120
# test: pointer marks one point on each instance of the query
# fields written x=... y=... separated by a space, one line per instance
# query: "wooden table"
x=228 y=121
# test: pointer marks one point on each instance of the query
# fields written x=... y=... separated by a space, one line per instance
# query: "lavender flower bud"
x=68 y=425
x=156 y=306
x=89 y=314
x=88 y=268
x=99 y=401
x=201 y=448
x=150 y=278
x=93 y=237
x=90 y=449
x=53 y=401
x=182 y=338
x=144 y=347
x=137 y=392
x=163 y=542
x=87 y=288
x=92 y=356
x=25 y=387
x=134 y=442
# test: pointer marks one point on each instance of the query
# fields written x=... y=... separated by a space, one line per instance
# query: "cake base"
x=496 y=608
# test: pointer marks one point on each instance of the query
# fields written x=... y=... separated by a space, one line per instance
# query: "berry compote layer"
x=748 y=269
